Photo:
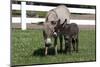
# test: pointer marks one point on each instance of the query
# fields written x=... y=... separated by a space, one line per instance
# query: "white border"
x=5 y=39
x=4 y=33
x=84 y=2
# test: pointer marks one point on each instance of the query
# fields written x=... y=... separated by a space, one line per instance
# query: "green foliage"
x=27 y=48
x=41 y=14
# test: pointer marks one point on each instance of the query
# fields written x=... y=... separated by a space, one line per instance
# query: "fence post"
x=23 y=15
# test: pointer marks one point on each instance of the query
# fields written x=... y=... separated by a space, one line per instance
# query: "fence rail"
x=35 y=20
x=47 y=8
x=23 y=7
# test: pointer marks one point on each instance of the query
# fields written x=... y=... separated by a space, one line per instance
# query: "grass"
x=27 y=48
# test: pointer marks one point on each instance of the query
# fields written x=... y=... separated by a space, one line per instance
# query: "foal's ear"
x=64 y=23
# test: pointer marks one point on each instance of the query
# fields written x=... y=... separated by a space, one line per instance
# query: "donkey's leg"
x=61 y=41
x=46 y=50
x=55 y=45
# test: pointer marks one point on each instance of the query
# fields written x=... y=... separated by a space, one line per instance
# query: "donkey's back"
x=60 y=12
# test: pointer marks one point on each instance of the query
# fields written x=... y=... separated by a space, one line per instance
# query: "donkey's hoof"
x=45 y=54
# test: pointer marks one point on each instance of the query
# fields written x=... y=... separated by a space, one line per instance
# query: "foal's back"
x=71 y=29
x=74 y=28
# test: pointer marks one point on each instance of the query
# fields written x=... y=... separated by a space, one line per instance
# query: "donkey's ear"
x=65 y=20
x=58 y=22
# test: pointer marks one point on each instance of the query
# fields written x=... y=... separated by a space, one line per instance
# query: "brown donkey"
x=61 y=13
x=49 y=34
x=55 y=16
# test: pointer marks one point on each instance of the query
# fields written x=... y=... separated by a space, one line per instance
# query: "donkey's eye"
x=52 y=22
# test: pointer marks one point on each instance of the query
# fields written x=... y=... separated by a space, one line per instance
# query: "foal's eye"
x=52 y=22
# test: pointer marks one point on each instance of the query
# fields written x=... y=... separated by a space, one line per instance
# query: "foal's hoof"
x=45 y=54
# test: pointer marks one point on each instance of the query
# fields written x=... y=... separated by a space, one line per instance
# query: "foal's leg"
x=69 y=45
x=73 y=43
x=77 y=42
x=66 y=45
x=55 y=45
x=61 y=41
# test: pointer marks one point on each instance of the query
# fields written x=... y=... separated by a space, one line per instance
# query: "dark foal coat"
x=71 y=33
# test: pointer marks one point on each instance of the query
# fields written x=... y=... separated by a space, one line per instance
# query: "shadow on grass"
x=41 y=52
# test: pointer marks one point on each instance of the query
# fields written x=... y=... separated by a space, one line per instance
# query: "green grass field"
x=27 y=48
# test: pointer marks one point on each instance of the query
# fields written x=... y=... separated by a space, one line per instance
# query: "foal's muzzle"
x=54 y=34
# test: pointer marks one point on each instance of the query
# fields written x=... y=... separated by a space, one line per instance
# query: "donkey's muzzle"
x=48 y=42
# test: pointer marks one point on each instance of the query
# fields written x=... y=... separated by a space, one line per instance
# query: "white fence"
x=23 y=7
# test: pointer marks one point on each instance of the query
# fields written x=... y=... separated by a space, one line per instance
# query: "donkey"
x=49 y=34
x=70 y=33
x=61 y=13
